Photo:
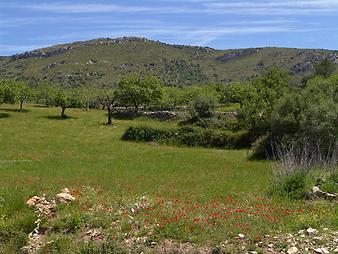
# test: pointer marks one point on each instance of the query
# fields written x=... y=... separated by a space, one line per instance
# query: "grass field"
x=41 y=155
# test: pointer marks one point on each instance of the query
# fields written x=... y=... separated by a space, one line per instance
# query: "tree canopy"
x=67 y=98
x=140 y=90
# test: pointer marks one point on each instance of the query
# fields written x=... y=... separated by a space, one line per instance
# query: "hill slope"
x=105 y=61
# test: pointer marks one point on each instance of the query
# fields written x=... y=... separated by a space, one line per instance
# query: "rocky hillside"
x=105 y=61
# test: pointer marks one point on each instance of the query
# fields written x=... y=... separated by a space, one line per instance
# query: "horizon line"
x=31 y=48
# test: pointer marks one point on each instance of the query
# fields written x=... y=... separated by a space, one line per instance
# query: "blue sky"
x=31 y=24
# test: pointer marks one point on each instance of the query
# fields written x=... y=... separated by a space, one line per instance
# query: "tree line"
x=267 y=106
x=134 y=91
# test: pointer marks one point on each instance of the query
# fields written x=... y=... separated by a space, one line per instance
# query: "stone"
x=65 y=190
x=318 y=250
x=42 y=205
x=33 y=201
x=318 y=238
x=92 y=235
x=312 y=231
x=322 y=250
x=316 y=189
x=325 y=251
x=330 y=196
x=241 y=236
x=292 y=250
x=64 y=198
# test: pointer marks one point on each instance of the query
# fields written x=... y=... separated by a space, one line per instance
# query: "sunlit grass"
x=40 y=154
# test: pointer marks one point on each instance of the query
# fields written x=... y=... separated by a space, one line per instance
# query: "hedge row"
x=189 y=136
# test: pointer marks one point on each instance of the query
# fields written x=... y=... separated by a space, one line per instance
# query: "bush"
x=69 y=223
x=202 y=107
x=189 y=136
x=331 y=183
x=292 y=186
x=202 y=113
x=14 y=231
x=308 y=121
x=324 y=68
x=103 y=248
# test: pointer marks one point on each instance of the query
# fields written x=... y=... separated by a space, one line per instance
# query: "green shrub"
x=292 y=186
x=58 y=244
x=189 y=136
x=202 y=107
x=70 y=223
x=13 y=233
x=331 y=183
x=104 y=248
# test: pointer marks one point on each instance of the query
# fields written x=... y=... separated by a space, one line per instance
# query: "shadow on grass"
x=130 y=115
x=259 y=157
x=4 y=115
x=113 y=125
x=15 y=110
x=41 y=106
x=59 y=117
x=125 y=115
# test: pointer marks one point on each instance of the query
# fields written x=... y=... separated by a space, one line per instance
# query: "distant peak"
x=61 y=48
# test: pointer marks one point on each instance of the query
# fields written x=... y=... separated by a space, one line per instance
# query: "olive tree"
x=304 y=127
x=7 y=91
x=312 y=112
x=257 y=107
x=67 y=98
x=23 y=93
x=46 y=92
x=108 y=98
x=140 y=90
x=88 y=95
x=203 y=107
x=238 y=93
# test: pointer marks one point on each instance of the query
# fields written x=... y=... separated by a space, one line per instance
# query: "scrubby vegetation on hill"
x=103 y=61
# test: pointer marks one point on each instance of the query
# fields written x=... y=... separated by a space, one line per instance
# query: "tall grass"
x=304 y=155
x=301 y=164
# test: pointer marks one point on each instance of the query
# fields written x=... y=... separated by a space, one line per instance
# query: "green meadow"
x=40 y=154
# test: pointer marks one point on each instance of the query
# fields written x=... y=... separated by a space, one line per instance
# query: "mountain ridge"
x=105 y=60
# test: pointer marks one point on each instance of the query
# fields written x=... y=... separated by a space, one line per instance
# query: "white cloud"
x=180 y=34
x=263 y=7
x=274 y=7
x=11 y=48
x=97 y=8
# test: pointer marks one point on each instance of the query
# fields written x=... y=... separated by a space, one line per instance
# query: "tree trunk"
x=110 y=114
x=63 y=112
x=103 y=107
x=21 y=102
x=87 y=106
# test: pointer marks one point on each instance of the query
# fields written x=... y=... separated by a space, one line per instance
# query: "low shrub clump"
x=303 y=164
x=292 y=186
x=188 y=136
